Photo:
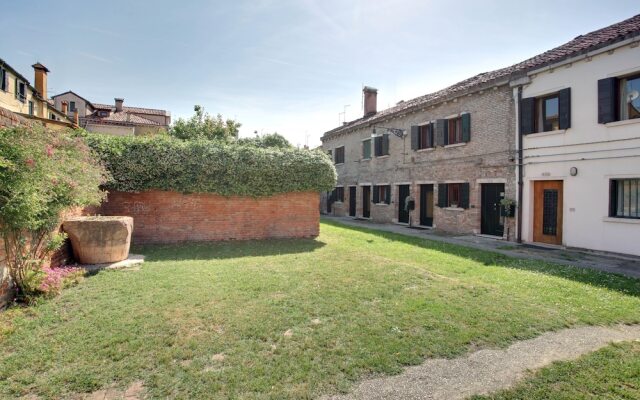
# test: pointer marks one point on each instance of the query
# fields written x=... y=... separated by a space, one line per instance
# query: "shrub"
x=203 y=166
x=203 y=126
x=42 y=173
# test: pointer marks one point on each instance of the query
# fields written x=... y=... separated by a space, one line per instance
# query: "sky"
x=286 y=66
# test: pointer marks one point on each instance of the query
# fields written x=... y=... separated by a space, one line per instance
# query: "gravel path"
x=486 y=371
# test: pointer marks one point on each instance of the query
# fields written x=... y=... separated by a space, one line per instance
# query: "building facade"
x=580 y=127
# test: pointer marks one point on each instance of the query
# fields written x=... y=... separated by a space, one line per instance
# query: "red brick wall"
x=171 y=217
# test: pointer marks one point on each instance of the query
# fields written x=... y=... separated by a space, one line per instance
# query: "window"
x=382 y=194
x=624 y=198
x=422 y=136
x=4 y=80
x=106 y=113
x=21 y=91
x=630 y=97
x=381 y=144
x=72 y=106
x=52 y=116
x=454 y=129
x=454 y=195
x=31 y=108
x=549 y=114
x=545 y=114
x=339 y=155
x=338 y=194
x=366 y=149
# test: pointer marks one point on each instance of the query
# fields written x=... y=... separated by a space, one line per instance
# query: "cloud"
x=95 y=57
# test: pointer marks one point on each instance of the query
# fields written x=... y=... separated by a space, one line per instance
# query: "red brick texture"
x=171 y=217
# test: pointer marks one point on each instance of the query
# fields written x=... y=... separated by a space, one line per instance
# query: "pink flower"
x=30 y=162
x=49 y=151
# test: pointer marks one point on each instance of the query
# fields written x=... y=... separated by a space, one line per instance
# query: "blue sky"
x=285 y=66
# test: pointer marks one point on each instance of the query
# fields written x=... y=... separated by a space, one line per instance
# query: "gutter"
x=520 y=168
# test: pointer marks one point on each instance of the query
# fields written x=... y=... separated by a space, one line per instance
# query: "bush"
x=42 y=173
x=202 y=166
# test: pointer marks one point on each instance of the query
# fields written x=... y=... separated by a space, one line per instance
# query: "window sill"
x=623 y=122
x=365 y=159
x=380 y=204
x=339 y=163
x=385 y=156
x=455 y=145
x=621 y=220
x=425 y=150
x=453 y=209
x=547 y=133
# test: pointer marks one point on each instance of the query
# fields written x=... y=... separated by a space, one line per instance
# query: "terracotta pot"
x=98 y=240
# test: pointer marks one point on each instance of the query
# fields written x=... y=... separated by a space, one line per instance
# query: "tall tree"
x=204 y=126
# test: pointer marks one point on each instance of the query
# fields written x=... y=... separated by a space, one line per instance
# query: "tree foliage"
x=274 y=140
x=42 y=173
x=204 y=166
x=204 y=126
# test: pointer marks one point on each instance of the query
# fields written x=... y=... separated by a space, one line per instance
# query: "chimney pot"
x=76 y=117
x=370 y=100
x=119 y=102
x=40 y=81
x=65 y=107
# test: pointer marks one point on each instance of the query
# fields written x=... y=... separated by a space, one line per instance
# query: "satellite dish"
x=632 y=96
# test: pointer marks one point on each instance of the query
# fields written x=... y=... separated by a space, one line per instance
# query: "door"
x=547 y=212
x=352 y=201
x=329 y=202
x=426 y=205
x=403 y=212
x=490 y=220
x=366 y=201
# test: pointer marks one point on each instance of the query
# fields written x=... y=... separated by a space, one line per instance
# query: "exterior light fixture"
x=573 y=171
x=396 y=131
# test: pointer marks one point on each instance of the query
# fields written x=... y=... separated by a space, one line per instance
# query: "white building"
x=579 y=123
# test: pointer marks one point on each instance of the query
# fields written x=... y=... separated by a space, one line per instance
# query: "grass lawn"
x=292 y=318
x=611 y=373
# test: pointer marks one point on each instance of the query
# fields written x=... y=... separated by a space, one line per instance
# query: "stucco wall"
x=81 y=105
x=615 y=145
x=488 y=157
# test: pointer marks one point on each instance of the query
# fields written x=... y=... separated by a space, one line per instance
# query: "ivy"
x=203 y=166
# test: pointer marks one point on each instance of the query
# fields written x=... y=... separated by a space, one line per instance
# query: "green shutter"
x=16 y=87
x=366 y=148
x=415 y=137
x=376 y=194
x=466 y=127
x=443 y=193
x=607 y=100
x=441 y=134
x=527 y=115
x=464 y=195
x=385 y=144
x=564 y=108
x=388 y=197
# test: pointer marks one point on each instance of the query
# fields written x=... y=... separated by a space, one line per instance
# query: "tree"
x=268 y=140
x=203 y=126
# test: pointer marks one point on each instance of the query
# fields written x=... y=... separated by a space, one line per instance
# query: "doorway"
x=426 y=205
x=366 y=202
x=547 y=212
x=490 y=221
x=352 y=201
x=329 y=202
x=403 y=212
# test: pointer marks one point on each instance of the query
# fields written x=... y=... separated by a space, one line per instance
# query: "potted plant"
x=507 y=207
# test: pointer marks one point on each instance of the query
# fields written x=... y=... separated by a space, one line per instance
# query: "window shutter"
x=415 y=135
x=385 y=144
x=443 y=193
x=388 y=196
x=376 y=194
x=564 y=108
x=464 y=195
x=441 y=132
x=466 y=127
x=527 y=115
x=432 y=129
x=16 y=87
x=377 y=145
x=607 y=99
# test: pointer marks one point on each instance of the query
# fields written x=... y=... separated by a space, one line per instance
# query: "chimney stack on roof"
x=40 y=72
x=65 y=107
x=119 y=102
x=76 y=117
x=370 y=100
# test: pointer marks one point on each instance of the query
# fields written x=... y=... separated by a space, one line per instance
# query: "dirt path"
x=486 y=371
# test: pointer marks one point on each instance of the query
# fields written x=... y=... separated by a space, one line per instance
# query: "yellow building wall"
x=9 y=101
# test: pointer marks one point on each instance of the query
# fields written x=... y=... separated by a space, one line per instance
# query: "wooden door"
x=547 y=212
x=490 y=220
x=426 y=205
x=366 y=201
x=403 y=212
x=352 y=201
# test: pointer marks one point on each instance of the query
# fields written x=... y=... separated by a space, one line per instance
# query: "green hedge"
x=143 y=163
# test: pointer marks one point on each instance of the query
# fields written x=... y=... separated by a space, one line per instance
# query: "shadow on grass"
x=620 y=283
x=227 y=249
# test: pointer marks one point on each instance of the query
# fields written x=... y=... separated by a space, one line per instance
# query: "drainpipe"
x=520 y=168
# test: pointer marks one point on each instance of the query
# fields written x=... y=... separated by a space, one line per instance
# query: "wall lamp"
x=396 y=131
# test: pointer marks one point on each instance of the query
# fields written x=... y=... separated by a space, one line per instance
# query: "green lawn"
x=292 y=318
x=611 y=373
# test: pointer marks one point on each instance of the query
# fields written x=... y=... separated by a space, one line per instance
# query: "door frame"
x=536 y=235
x=484 y=186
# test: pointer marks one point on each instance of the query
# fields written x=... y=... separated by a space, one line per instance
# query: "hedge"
x=138 y=164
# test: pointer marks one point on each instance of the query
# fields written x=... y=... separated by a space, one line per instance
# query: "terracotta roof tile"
x=137 y=110
x=122 y=117
x=581 y=44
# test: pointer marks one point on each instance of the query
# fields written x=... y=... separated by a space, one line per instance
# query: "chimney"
x=65 y=107
x=370 y=100
x=41 y=79
x=119 y=102
x=76 y=117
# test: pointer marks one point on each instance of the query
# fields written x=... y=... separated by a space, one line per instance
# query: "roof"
x=122 y=118
x=73 y=93
x=582 y=44
x=137 y=110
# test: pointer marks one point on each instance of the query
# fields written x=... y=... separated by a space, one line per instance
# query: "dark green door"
x=491 y=223
x=366 y=202
x=403 y=212
x=352 y=201
x=426 y=205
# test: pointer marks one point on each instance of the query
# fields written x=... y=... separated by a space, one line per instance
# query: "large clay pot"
x=98 y=240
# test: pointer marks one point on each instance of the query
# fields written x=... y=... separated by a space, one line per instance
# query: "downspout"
x=520 y=168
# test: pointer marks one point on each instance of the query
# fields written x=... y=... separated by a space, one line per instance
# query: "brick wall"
x=171 y=217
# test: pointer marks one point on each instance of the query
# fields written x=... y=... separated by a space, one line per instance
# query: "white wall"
x=586 y=196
